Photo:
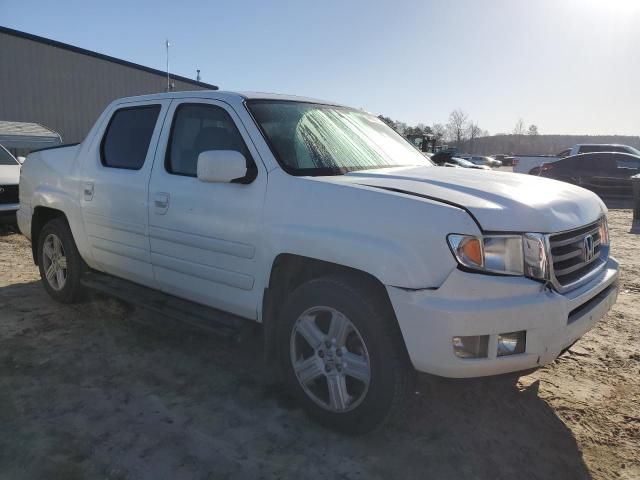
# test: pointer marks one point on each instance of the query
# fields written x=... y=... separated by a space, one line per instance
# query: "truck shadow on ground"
x=105 y=390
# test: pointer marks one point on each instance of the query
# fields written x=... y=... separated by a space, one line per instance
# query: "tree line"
x=460 y=132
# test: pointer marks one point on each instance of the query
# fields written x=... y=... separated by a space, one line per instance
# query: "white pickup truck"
x=363 y=261
x=526 y=163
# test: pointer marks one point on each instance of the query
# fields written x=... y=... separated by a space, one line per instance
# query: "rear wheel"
x=342 y=354
x=61 y=266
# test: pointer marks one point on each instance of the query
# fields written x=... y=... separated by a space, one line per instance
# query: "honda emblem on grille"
x=588 y=249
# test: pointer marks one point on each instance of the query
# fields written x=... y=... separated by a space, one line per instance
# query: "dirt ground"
x=104 y=390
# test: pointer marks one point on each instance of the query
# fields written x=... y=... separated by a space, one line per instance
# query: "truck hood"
x=9 y=174
x=499 y=201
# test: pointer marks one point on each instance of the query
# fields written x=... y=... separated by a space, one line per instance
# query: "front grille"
x=9 y=194
x=571 y=258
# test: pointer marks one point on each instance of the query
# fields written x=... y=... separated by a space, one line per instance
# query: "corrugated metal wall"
x=65 y=90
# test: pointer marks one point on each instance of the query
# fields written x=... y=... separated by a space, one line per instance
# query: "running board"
x=193 y=314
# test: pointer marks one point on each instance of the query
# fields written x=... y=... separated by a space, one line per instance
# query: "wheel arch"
x=41 y=216
x=289 y=271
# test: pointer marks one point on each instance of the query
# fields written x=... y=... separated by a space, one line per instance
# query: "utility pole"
x=168 y=79
x=198 y=75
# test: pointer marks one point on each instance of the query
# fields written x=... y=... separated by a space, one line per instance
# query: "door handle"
x=88 y=191
x=161 y=203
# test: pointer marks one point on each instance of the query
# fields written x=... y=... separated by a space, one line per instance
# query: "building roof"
x=107 y=58
x=27 y=135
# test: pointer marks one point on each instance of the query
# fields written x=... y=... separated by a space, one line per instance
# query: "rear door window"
x=126 y=141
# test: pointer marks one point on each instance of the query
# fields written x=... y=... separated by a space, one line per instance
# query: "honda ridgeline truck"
x=362 y=260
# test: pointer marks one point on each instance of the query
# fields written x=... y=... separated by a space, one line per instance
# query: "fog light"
x=471 y=347
x=512 y=343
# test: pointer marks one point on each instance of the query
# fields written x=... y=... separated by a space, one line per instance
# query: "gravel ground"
x=104 y=390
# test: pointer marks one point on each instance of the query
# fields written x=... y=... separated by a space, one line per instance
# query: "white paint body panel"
x=215 y=243
x=526 y=163
x=9 y=175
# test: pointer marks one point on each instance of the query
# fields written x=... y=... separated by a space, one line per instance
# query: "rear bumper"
x=470 y=304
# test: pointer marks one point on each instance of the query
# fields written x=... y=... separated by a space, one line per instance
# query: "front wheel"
x=60 y=264
x=342 y=353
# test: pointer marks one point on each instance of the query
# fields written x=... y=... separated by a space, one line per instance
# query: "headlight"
x=505 y=254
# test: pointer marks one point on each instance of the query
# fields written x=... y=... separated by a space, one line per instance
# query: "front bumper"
x=8 y=212
x=9 y=207
x=475 y=304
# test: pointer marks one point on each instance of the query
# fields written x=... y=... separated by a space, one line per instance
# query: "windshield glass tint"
x=311 y=139
x=6 y=158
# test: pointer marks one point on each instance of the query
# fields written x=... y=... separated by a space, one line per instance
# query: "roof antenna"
x=198 y=75
x=168 y=79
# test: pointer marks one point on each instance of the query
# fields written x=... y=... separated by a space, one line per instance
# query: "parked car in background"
x=461 y=162
x=607 y=174
x=506 y=160
x=451 y=159
x=9 y=180
x=483 y=160
x=526 y=163
x=441 y=157
x=362 y=260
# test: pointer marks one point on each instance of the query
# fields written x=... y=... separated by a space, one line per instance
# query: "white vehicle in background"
x=485 y=160
x=9 y=180
x=526 y=163
x=363 y=261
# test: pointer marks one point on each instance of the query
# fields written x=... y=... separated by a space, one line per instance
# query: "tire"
x=370 y=339
x=57 y=251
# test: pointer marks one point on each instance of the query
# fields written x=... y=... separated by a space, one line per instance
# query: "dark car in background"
x=507 y=160
x=605 y=173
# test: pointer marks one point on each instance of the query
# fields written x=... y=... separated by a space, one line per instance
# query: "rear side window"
x=198 y=128
x=602 y=148
x=589 y=149
x=627 y=161
x=126 y=141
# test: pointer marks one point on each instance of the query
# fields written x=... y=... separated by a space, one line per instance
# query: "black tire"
x=72 y=290
x=368 y=309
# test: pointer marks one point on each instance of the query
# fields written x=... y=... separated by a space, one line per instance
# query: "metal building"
x=65 y=88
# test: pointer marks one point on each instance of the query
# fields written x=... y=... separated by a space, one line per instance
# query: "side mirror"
x=221 y=166
x=21 y=160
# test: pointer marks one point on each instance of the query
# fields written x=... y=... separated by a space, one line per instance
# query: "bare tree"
x=389 y=121
x=401 y=127
x=474 y=131
x=457 y=126
x=439 y=131
x=533 y=130
x=520 y=128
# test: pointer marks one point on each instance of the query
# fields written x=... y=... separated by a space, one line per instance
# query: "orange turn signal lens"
x=471 y=250
x=604 y=232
